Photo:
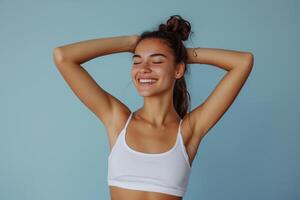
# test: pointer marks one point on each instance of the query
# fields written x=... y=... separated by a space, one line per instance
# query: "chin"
x=146 y=93
x=154 y=90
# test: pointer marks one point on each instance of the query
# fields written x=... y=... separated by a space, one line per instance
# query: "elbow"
x=57 y=55
x=248 y=59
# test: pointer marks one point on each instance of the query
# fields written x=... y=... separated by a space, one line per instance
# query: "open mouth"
x=147 y=81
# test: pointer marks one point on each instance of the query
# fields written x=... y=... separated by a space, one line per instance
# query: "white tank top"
x=166 y=172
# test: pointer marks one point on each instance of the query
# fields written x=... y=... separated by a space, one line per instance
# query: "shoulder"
x=186 y=129
x=118 y=121
x=190 y=140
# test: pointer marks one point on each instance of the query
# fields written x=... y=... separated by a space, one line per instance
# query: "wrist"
x=193 y=55
x=133 y=42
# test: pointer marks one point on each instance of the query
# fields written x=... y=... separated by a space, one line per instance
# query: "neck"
x=159 y=110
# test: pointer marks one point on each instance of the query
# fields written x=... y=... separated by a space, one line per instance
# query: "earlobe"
x=180 y=70
x=178 y=75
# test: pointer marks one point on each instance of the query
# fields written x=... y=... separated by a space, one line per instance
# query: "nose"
x=145 y=68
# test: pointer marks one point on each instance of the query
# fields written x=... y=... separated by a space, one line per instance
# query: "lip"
x=145 y=77
x=146 y=84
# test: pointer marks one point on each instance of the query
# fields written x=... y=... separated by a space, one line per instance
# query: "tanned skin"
x=158 y=114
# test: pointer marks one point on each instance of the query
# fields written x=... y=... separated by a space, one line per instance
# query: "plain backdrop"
x=53 y=147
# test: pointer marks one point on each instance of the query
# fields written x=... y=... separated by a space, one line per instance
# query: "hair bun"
x=177 y=25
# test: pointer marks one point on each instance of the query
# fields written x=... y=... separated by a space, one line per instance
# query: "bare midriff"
x=117 y=193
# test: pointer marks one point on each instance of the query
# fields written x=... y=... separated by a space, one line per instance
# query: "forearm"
x=83 y=51
x=222 y=58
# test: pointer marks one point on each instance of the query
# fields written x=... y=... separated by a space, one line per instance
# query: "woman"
x=152 y=148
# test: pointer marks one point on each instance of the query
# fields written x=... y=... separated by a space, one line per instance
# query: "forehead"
x=152 y=48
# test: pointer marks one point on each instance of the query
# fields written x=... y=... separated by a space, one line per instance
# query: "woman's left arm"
x=222 y=58
x=238 y=66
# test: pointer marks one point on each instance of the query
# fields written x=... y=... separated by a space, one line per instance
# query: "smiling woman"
x=153 y=59
x=152 y=148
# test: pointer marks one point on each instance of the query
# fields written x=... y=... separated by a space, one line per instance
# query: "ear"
x=179 y=72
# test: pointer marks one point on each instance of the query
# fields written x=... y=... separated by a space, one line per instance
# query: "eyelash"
x=153 y=62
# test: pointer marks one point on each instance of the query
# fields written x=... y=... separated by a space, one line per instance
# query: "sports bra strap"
x=130 y=116
x=180 y=125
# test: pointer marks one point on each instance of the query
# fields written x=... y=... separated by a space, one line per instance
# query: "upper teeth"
x=147 y=80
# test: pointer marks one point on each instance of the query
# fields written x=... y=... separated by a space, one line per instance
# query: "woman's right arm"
x=68 y=60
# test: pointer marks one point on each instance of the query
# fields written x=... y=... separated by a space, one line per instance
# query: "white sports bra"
x=166 y=172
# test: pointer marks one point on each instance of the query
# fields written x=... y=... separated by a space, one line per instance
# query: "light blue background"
x=53 y=147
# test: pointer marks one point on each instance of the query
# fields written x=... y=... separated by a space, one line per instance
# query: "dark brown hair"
x=172 y=34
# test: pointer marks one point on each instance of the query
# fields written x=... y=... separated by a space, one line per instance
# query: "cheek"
x=133 y=73
x=166 y=72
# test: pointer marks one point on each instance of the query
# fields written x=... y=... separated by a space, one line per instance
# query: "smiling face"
x=153 y=68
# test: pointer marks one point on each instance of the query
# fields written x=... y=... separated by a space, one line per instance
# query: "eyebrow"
x=152 y=55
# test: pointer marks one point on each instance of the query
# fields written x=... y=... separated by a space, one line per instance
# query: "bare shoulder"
x=119 y=119
x=191 y=142
x=186 y=130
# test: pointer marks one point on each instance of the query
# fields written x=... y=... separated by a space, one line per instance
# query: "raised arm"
x=238 y=66
x=68 y=59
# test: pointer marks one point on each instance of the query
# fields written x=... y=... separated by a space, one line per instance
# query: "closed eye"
x=152 y=62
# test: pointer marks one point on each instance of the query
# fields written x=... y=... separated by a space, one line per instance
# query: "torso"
x=139 y=140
